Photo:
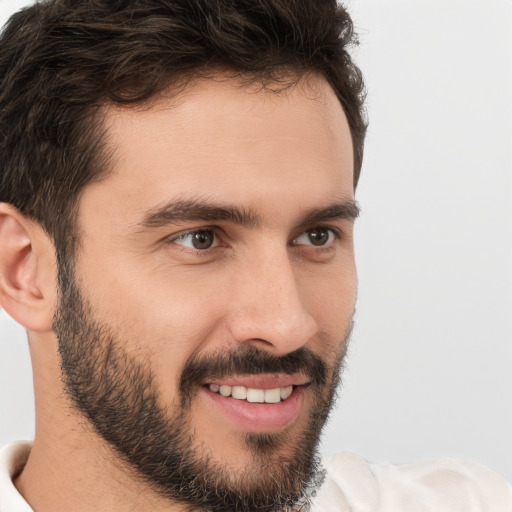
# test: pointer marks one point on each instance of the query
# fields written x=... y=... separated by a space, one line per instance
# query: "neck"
x=70 y=467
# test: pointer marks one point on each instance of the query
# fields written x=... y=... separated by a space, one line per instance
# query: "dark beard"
x=119 y=397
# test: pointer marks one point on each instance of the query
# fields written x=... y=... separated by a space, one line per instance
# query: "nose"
x=267 y=308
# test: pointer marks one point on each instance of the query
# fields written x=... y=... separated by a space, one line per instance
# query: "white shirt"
x=353 y=485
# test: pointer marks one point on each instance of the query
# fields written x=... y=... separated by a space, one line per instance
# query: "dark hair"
x=62 y=60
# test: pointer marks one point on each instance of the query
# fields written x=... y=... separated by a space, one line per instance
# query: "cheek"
x=330 y=300
x=330 y=296
x=159 y=318
x=151 y=299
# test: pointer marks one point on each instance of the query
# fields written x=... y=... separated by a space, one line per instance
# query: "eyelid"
x=175 y=236
x=172 y=239
x=336 y=232
x=220 y=234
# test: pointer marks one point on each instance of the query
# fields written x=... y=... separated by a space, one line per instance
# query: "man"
x=176 y=218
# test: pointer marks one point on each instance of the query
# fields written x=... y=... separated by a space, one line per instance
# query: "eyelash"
x=336 y=232
x=198 y=252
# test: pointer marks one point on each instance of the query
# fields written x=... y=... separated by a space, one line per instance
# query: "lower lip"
x=257 y=417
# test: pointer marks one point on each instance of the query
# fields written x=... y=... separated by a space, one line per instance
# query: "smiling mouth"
x=253 y=395
x=258 y=403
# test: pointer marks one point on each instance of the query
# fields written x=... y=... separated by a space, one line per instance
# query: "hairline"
x=278 y=80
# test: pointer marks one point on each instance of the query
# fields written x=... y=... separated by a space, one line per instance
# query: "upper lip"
x=264 y=381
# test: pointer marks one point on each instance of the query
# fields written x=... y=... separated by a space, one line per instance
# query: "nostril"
x=278 y=326
x=258 y=343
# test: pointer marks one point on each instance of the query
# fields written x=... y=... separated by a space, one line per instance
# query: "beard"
x=119 y=396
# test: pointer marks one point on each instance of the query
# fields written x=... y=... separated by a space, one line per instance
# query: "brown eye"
x=316 y=236
x=319 y=236
x=200 y=240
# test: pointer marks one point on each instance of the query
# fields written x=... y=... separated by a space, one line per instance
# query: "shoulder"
x=443 y=485
x=12 y=459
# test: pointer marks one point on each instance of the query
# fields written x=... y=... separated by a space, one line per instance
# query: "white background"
x=430 y=365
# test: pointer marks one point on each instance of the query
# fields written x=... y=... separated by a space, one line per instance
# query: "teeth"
x=225 y=390
x=286 y=392
x=239 y=392
x=255 y=395
x=272 y=396
x=268 y=396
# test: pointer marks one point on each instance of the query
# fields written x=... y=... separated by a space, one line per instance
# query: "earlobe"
x=24 y=259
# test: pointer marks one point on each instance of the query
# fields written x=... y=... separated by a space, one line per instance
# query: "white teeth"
x=253 y=395
x=225 y=390
x=273 y=396
x=239 y=392
x=286 y=392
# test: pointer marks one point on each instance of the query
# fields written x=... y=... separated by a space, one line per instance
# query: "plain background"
x=429 y=367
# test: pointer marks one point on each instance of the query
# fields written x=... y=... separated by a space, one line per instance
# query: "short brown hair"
x=62 y=60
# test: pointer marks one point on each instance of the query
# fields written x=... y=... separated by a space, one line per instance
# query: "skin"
x=264 y=285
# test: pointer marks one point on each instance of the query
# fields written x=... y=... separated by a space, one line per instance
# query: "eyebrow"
x=346 y=210
x=193 y=210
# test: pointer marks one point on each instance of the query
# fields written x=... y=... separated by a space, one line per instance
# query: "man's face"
x=213 y=289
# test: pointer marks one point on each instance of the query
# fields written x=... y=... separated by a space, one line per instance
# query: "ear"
x=27 y=271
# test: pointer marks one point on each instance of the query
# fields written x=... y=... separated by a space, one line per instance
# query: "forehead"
x=228 y=140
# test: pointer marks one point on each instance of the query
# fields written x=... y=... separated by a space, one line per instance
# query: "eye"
x=200 y=240
x=316 y=236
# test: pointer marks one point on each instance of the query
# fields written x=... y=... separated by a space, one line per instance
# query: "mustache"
x=251 y=361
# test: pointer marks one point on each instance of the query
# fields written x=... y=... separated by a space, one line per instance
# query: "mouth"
x=260 y=403
x=253 y=395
